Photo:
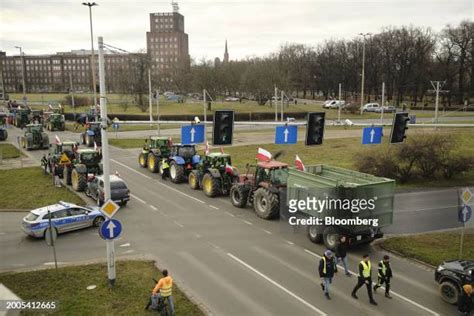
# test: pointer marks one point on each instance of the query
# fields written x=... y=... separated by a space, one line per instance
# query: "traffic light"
x=399 y=127
x=223 y=127
x=315 y=128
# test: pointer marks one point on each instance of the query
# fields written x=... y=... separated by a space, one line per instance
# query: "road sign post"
x=286 y=135
x=110 y=229
x=464 y=215
x=50 y=237
x=372 y=135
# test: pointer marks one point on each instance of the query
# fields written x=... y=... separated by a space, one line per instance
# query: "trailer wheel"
x=314 y=235
x=239 y=195
x=330 y=237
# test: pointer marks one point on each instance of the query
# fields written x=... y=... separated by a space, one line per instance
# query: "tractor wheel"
x=142 y=160
x=210 y=185
x=160 y=167
x=62 y=127
x=152 y=163
x=193 y=180
x=176 y=172
x=79 y=180
x=314 y=235
x=83 y=138
x=330 y=237
x=266 y=204
x=68 y=176
x=239 y=195
x=89 y=141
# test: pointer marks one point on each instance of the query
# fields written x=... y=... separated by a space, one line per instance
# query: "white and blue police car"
x=64 y=217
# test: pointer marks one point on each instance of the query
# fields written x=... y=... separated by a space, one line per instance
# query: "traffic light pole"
x=105 y=159
x=150 y=96
x=205 y=114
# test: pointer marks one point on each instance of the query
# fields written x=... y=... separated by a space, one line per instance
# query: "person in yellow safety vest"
x=166 y=169
x=327 y=269
x=164 y=289
x=384 y=275
x=365 y=277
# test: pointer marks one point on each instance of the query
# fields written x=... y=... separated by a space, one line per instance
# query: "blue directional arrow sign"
x=372 y=135
x=110 y=229
x=286 y=135
x=464 y=214
x=192 y=134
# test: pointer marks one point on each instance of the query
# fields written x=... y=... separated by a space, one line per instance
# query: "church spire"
x=226 y=53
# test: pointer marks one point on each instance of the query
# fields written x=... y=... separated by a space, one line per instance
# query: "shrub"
x=78 y=100
x=352 y=108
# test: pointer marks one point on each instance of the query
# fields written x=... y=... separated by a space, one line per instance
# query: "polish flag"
x=50 y=106
x=263 y=155
x=222 y=150
x=229 y=169
x=58 y=141
x=170 y=140
x=95 y=146
x=207 y=149
x=299 y=164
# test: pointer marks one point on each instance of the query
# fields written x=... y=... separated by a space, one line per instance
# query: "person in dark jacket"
x=384 y=275
x=365 y=277
x=465 y=301
x=327 y=269
x=341 y=253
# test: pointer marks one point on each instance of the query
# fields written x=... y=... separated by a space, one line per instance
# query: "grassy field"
x=432 y=248
x=68 y=286
x=29 y=188
x=8 y=151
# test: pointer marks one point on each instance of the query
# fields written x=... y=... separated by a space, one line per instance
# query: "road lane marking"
x=382 y=287
x=230 y=214
x=153 y=207
x=171 y=188
x=289 y=242
x=127 y=252
x=314 y=308
x=267 y=231
x=137 y=198
x=125 y=245
x=214 y=207
x=247 y=222
x=179 y=224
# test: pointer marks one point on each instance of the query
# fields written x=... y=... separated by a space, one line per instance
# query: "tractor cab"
x=89 y=157
x=185 y=151
x=217 y=160
x=159 y=142
x=34 y=128
x=271 y=173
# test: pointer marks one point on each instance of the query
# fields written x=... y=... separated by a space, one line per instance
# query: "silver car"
x=64 y=217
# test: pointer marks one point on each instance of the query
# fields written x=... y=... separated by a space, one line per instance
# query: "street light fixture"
x=364 y=35
x=90 y=5
x=22 y=58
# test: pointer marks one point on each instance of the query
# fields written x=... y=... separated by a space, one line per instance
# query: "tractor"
x=61 y=156
x=155 y=149
x=22 y=117
x=54 y=121
x=34 y=137
x=86 y=161
x=214 y=175
x=36 y=117
x=182 y=160
x=92 y=134
x=261 y=188
x=3 y=133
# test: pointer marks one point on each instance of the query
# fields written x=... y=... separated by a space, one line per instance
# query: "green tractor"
x=54 y=121
x=22 y=117
x=155 y=149
x=87 y=161
x=214 y=175
x=61 y=156
x=34 y=137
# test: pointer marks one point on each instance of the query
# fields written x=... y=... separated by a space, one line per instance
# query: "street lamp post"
x=90 y=5
x=22 y=58
x=364 y=35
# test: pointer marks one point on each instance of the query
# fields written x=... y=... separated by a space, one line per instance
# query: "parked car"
x=64 y=217
x=370 y=107
x=118 y=190
x=168 y=93
x=333 y=104
x=386 y=109
x=451 y=276
x=232 y=99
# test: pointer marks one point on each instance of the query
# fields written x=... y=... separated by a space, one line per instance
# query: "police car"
x=64 y=217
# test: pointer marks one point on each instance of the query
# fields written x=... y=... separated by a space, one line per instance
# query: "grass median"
x=8 y=151
x=67 y=287
x=432 y=248
x=28 y=188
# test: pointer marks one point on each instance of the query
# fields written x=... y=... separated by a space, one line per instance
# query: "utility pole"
x=282 y=94
x=437 y=85
x=150 y=96
x=276 y=106
x=158 y=112
x=90 y=5
x=363 y=72
x=383 y=100
x=339 y=107
x=71 y=91
x=23 y=74
x=105 y=158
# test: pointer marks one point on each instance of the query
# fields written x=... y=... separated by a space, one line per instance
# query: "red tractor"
x=261 y=188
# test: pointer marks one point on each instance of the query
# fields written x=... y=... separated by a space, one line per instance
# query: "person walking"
x=166 y=169
x=341 y=253
x=365 y=277
x=327 y=269
x=164 y=289
x=465 y=301
x=384 y=275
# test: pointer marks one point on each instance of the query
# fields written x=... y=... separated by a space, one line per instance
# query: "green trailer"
x=339 y=201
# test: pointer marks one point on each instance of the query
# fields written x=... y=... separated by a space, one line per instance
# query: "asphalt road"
x=228 y=259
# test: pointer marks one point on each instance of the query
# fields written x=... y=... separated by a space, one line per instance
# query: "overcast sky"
x=252 y=27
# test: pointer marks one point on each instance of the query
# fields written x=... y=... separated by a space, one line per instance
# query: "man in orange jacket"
x=163 y=289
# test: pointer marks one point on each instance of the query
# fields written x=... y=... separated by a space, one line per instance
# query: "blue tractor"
x=92 y=134
x=182 y=160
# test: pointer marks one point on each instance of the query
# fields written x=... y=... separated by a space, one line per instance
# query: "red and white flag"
x=170 y=140
x=207 y=149
x=95 y=146
x=299 y=164
x=222 y=150
x=263 y=155
x=58 y=141
x=229 y=169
